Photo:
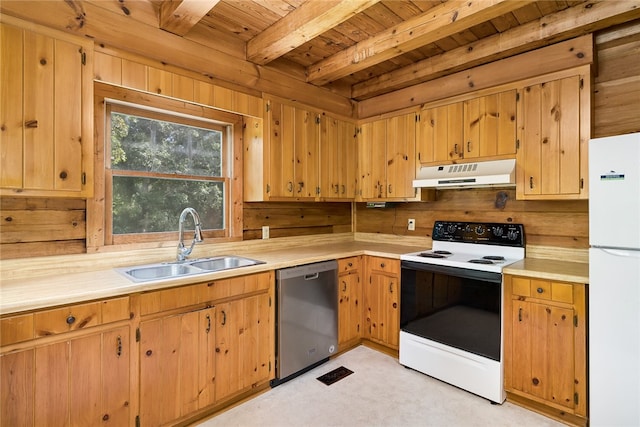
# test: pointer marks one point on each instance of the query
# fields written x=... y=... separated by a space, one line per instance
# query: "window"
x=157 y=162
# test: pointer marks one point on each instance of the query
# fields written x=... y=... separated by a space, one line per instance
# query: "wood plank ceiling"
x=355 y=49
x=364 y=48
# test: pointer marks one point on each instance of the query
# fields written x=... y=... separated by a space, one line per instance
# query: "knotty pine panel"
x=546 y=223
x=295 y=218
x=40 y=227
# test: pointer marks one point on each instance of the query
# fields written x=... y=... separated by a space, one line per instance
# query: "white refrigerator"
x=614 y=281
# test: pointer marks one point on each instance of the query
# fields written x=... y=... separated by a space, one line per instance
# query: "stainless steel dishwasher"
x=306 y=318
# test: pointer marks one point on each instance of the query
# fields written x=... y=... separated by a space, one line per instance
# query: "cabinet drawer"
x=543 y=289
x=67 y=319
x=16 y=329
x=385 y=265
x=348 y=265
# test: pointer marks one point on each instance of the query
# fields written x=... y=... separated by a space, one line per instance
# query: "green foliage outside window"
x=161 y=167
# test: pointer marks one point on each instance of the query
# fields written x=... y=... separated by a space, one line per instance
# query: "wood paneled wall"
x=546 y=223
x=38 y=227
x=295 y=218
x=617 y=83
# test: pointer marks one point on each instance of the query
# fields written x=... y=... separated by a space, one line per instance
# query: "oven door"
x=456 y=307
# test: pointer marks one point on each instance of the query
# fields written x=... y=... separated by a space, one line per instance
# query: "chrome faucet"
x=183 y=251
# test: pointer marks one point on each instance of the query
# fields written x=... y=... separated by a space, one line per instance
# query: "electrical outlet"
x=411 y=224
x=265 y=231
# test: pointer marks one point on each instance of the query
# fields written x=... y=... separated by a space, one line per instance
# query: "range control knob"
x=479 y=230
x=498 y=231
x=451 y=228
x=512 y=235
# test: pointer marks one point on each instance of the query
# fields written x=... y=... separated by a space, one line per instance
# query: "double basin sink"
x=144 y=273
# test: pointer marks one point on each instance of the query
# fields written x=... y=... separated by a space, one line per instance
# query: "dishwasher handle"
x=313 y=276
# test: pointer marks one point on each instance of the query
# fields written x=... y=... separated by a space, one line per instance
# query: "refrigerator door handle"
x=620 y=252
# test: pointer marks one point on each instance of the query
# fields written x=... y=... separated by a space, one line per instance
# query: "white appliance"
x=483 y=174
x=451 y=304
x=614 y=281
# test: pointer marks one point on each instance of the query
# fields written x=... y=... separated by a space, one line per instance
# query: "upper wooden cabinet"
x=298 y=154
x=490 y=125
x=46 y=112
x=553 y=131
x=479 y=127
x=386 y=153
x=338 y=158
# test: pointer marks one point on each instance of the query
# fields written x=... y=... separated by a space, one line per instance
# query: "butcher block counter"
x=35 y=283
x=550 y=269
x=30 y=284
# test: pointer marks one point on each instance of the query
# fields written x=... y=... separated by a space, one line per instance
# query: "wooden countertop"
x=550 y=269
x=30 y=284
x=42 y=291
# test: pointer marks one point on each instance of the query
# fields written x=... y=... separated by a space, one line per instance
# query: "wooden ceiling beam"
x=437 y=23
x=563 y=25
x=179 y=16
x=303 y=24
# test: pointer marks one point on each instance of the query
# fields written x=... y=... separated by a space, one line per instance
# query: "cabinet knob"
x=105 y=417
x=535 y=381
x=149 y=353
x=63 y=175
x=71 y=319
x=350 y=264
x=539 y=290
x=530 y=182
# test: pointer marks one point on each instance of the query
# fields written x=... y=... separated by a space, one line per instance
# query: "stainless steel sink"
x=224 y=263
x=162 y=271
x=145 y=273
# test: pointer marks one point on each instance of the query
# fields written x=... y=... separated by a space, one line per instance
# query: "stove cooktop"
x=475 y=246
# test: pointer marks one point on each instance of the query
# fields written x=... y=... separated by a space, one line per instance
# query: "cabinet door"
x=401 y=154
x=84 y=381
x=440 y=134
x=542 y=360
x=177 y=368
x=382 y=312
x=281 y=150
x=307 y=153
x=349 y=307
x=371 y=159
x=338 y=158
x=490 y=125
x=42 y=147
x=549 y=154
x=244 y=345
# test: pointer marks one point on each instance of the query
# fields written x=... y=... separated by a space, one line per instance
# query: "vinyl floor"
x=380 y=392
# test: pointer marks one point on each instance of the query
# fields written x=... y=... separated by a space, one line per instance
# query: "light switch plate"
x=265 y=231
x=411 y=224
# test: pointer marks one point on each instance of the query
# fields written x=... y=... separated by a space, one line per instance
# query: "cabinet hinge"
x=317 y=120
x=269 y=306
x=268 y=106
x=575 y=320
x=517 y=144
x=575 y=398
x=419 y=156
x=581 y=182
x=318 y=190
x=517 y=96
x=137 y=420
x=137 y=334
x=83 y=58
x=581 y=83
x=269 y=365
x=268 y=188
x=83 y=178
x=417 y=118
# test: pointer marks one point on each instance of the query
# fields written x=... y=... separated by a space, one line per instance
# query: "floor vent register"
x=335 y=375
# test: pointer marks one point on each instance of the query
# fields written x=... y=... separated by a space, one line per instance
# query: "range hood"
x=481 y=174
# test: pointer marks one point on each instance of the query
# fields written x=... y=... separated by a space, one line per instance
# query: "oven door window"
x=452 y=306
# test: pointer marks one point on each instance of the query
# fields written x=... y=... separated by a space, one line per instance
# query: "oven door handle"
x=487 y=276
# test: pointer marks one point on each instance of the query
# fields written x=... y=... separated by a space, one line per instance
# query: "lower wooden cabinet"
x=177 y=366
x=349 y=302
x=81 y=381
x=545 y=346
x=382 y=301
